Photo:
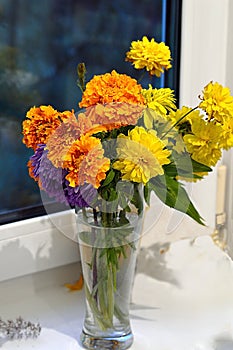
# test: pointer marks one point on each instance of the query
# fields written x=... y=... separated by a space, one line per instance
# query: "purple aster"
x=81 y=196
x=36 y=158
x=52 y=180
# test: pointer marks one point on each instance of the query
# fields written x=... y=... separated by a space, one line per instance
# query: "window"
x=41 y=44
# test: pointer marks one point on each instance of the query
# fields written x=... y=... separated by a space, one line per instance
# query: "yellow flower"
x=180 y=122
x=203 y=144
x=217 y=102
x=153 y=56
x=159 y=100
x=141 y=155
x=182 y=116
x=85 y=162
x=112 y=87
x=226 y=137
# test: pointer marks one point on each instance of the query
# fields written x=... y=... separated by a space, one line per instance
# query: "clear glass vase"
x=108 y=257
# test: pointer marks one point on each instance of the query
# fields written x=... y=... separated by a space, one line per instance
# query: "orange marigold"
x=62 y=138
x=112 y=87
x=89 y=124
x=85 y=162
x=114 y=115
x=40 y=124
x=70 y=130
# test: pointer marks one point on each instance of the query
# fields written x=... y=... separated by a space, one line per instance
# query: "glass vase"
x=108 y=257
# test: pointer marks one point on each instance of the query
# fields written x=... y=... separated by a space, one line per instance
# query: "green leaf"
x=147 y=192
x=183 y=165
x=172 y=193
x=109 y=178
x=199 y=167
x=137 y=200
x=112 y=195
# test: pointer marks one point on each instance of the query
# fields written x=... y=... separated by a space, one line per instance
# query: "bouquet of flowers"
x=154 y=140
x=126 y=140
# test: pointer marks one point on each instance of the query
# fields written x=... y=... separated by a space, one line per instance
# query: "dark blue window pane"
x=41 y=44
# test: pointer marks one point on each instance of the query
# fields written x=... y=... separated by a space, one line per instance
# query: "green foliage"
x=184 y=166
x=172 y=193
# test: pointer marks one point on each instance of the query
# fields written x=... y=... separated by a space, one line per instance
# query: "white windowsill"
x=37 y=244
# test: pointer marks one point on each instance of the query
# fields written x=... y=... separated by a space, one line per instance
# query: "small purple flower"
x=36 y=159
x=81 y=196
x=52 y=180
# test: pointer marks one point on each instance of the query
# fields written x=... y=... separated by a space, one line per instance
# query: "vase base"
x=116 y=343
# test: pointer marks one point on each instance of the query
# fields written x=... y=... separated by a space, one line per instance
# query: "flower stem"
x=178 y=121
x=94 y=273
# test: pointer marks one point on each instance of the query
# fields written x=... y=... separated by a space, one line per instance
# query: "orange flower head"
x=85 y=162
x=70 y=130
x=40 y=124
x=114 y=115
x=62 y=138
x=88 y=124
x=112 y=87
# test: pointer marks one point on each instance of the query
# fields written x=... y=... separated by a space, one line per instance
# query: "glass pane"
x=41 y=44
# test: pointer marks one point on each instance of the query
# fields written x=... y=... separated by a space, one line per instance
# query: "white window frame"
x=205 y=56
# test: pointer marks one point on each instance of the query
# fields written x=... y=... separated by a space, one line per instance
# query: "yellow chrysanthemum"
x=217 y=102
x=203 y=143
x=140 y=155
x=226 y=137
x=40 y=124
x=159 y=100
x=112 y=87
x=85 y=162
x=153 y=56
x=182 y=116
x=180 y=122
